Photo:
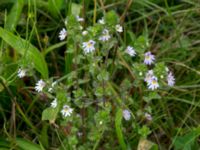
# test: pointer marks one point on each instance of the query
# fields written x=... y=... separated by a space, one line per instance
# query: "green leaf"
x=68 y=62
x=75 y=9
x=103 y=76
x=54 y=7
x=102 y=117
x=50 y=114
x=144 y=131
x=186 y=142
x=99 y=92
x=160 y=69
x=55 y=46
x=141 y=44
x=4 y=143
x=14 y=15
x=118 y=124
x=130 y=37
x=44 y=135
x=24 y=47
x=24 y=144
x=112 y=18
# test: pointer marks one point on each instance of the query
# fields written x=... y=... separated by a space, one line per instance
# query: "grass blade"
x=54 y=7
x=14 y=15
x=118 y=123
x=24 y=47
x=24 y=144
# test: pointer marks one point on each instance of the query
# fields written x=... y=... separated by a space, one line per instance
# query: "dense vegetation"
x=99 y=74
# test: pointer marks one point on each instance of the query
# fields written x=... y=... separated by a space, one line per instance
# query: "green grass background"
x=172 y=27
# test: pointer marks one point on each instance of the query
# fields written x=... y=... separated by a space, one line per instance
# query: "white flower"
x=88 y=46
x=153 y=83
x=54 y=103
x=149 y=58
x=140 y=73
x=105 y=36
x=62 y=34
x=148 y=76
x=79 y=19
x=21 y=73
x=66 y=111
x=40 y=85
x=148 y=116
x=170 y=79
x=129 y=50
x=84 y=33
x=101 y=21
x=126 y=114
x=119 y=28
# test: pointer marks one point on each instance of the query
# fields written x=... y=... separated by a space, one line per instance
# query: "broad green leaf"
x=118 y=127
x=25 y=48
x=186 y=142
x=55 y=6
x=25 y=144
x=75 y=9
x=50 y=114
x=14 y=15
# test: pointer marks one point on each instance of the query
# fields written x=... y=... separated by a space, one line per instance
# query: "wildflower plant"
x=105 y=77
x=99 y=54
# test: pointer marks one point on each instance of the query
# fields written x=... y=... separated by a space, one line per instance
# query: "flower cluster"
x=151 y=80
x=96 y=41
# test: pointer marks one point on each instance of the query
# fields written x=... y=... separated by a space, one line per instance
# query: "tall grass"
x=29 y=30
